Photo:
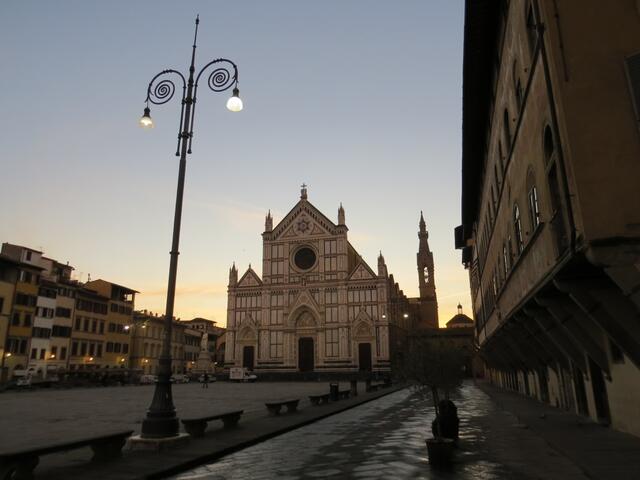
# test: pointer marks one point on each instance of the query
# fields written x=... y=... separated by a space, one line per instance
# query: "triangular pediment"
x=304 y=219
x=362 y=326
x=362 y=271
x=304 y=299
x=250 y=279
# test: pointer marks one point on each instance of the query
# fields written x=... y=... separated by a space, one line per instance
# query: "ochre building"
x=550 y=200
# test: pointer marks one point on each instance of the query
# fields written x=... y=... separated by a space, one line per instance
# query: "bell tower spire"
x=426 y=278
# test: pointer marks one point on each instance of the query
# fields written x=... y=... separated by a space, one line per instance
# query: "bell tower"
x=426 y=280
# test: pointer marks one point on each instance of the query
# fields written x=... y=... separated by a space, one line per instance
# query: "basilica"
x=318 y=306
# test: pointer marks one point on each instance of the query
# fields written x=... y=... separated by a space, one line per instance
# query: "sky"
x=359 y=99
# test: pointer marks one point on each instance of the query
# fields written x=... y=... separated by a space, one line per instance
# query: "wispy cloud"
x=238 y=215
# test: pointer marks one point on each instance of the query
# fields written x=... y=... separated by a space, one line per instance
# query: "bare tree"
x=434 y=366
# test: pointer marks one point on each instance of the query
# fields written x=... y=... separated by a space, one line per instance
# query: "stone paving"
x=503 y=436
x=600 y=452
x=386 y=439
x=36 y=416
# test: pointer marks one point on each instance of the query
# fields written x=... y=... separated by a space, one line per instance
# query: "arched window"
x=506 y=260
x=517 y=227
x=517 y=85
x=494 y=201
x=501 y=156
x=506 y=129
x=549 y=145
x=534 y=209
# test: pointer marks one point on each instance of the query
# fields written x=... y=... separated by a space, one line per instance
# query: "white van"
x=241 y=374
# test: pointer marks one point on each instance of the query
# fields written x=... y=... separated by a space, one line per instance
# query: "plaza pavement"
x=44 y=415
x=385 y=439
x=37 y=418
x=599 y=452
x=503 y=436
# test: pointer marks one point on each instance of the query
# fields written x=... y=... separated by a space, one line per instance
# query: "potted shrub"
x=435 y=368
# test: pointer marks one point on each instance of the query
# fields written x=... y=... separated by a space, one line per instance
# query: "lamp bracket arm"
x=161 y=92
x=221 y=78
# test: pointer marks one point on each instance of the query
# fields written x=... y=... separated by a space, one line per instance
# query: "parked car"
x=24 y=381
x=179 y=378
x=148 y=379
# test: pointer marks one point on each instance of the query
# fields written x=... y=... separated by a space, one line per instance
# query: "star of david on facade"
x=303 y=225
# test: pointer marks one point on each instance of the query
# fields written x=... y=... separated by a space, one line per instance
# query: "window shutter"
x=633 y=74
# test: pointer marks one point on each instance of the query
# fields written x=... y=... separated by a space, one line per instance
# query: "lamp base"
x=160 y=427
x=139 y=442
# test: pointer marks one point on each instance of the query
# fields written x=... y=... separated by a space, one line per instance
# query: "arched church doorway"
x=305 y=354
x=248 y=354
x=364 y=357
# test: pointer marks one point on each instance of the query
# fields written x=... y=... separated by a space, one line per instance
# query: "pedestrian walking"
x=205 y=380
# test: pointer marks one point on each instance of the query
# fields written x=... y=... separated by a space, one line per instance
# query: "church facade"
x=318 y=306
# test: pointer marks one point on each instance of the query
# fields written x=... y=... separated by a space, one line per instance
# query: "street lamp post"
x=161 y=420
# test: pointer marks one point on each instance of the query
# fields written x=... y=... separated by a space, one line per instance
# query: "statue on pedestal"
x=204 y=363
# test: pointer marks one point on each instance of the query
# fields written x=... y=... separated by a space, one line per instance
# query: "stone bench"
x=275 y=407
x=319 y=399
x=196 y=426
x=19 y=464
x=344 y=394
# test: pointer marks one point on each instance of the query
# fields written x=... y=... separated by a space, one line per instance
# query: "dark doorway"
x=247 y=357
x=544 y=385
x=364 y=357
x=599 y=392
x=581 y=393
x=305 y=354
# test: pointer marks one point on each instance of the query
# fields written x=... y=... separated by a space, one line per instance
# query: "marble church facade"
x=318 y=306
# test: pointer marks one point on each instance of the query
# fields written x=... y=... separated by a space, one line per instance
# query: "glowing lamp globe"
x=235 y=103
x=145 y=120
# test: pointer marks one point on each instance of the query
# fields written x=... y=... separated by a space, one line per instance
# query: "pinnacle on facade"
x=382 y=266
x=303 y=191
x=268 y=222
x=233 y=275
x=341 y=218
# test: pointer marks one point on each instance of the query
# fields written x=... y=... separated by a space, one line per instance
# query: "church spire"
x=268 y=222
x=382 y=266
x=341 y=220
x=426 y=280
x=233 y=275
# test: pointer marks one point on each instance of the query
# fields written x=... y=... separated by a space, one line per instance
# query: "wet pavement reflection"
x=381 y=439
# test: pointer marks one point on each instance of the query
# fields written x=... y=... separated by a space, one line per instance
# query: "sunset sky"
x=359 y=99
